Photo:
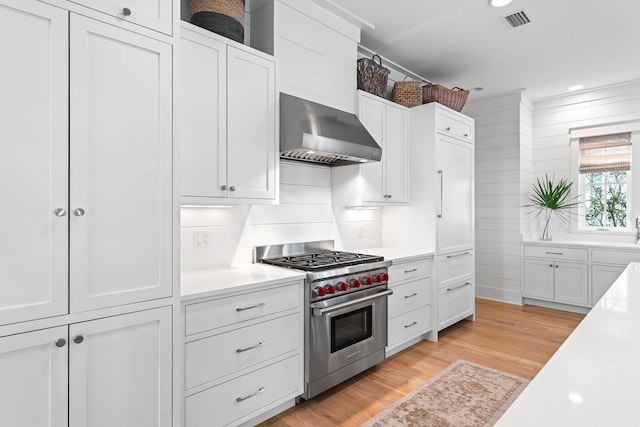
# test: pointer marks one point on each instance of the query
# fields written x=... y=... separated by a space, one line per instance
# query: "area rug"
x=462 y=395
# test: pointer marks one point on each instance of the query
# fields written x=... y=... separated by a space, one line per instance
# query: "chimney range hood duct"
x=312 y=132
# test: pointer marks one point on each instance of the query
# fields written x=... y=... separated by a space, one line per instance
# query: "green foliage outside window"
x=606 y=200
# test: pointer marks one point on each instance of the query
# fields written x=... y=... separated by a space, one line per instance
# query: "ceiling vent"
x=518 y=19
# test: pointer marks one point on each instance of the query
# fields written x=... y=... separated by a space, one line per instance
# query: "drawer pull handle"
x=252 y=307
x=410 y=271
x=411 y=296
x=553 y=253
x=457 y=255
x=411 y=324
x=242 y=350
x=459 y=286
x=249 y=396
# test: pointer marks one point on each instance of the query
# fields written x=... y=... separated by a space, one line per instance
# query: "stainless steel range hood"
x=312 y=132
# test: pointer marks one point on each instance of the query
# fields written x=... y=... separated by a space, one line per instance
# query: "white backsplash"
x=305 y=213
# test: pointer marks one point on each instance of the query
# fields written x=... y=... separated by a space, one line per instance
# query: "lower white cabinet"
x=114 y=371
x=243 y=354
x=409 y=307
x=602 y=277
x=456 y=287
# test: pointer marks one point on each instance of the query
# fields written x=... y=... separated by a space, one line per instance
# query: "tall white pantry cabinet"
x=86 y=242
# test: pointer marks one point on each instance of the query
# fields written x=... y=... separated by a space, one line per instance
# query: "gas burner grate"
x=322 y=260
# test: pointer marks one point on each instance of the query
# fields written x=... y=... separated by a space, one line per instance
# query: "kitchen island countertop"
x=219 y=281
x=594 y=377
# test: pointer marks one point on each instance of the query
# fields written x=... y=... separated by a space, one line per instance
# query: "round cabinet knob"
x=355 y=283
x=385 y=277
x=319 y=291
x=342 y=286
x=330 y=289
x=61 y=342
x=232 y=188
x=78 y=339
x=448 y=128
x=78 y=212
x=60 y=212
x=126 y=11
x=223 y=187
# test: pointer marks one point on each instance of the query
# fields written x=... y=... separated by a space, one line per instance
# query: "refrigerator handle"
x=439 y=209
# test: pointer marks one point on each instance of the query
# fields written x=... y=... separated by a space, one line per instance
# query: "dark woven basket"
x=372 y=77
x=224 y=17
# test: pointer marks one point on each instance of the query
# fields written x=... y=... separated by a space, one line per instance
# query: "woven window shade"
x=605 y=153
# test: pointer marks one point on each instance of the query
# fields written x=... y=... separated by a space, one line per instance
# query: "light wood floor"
x=513 y=339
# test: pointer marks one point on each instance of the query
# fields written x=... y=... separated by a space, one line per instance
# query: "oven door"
x=346 y=329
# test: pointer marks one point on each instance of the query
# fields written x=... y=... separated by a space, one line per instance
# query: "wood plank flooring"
x=514 y=339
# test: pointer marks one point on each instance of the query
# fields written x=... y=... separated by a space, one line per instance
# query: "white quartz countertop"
x=397 y=254
x=594 y=377
x=604 y=245
x=218 y=281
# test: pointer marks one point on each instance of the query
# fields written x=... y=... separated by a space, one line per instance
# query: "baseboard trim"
x=498 y=294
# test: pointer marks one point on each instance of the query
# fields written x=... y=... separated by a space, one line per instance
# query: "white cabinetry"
x=90 y=373
x=409 y=310
x=243 y=354
x=606 y=266
x=228 y=121
x=379 y=183
x=153 y=14
x=556 y=274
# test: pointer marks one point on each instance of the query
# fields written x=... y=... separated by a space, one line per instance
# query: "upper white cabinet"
x=228 y=121
x=384 y=182
x=91 y=192
x=316 y=50
x=153 y=14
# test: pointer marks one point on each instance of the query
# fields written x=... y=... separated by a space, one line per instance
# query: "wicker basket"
x=372 y=77
x=407 y=93
x=452 y=98
x=224 y=17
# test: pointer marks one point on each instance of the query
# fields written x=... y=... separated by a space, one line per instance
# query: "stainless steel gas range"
x=345 y=309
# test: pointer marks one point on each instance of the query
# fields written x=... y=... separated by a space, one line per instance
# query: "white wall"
x=305 y=213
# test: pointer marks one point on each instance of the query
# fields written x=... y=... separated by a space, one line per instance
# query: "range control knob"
x=355 y=283
x=342 y=286
x=367 y=280
x=330 y=289
x=385 y=277
x=319 y=292
x=377 y=278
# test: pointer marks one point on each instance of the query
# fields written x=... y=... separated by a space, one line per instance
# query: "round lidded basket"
x=224 y=17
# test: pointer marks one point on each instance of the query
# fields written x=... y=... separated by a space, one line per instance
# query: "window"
x=605 y=176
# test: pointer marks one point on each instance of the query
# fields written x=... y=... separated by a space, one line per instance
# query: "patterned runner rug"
x=462 y=395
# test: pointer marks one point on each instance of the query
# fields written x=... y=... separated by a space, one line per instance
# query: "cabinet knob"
x=60 y=212
x=448 y=128
x=78 y=339
x=466 y=135
x=78 y=212
x=232 y=188
x=551 y=265
x=223 y=187
x=61 y=342
x=126 y=11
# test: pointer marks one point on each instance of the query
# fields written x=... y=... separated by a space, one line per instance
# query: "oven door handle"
x=321 y=311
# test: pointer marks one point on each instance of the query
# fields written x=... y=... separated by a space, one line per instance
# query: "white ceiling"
x=468 y=43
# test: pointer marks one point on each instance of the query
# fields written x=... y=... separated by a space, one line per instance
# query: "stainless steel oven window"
x=351 y=328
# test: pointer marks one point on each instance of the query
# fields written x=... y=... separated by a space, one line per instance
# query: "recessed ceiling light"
x=476 y=89
x=575 y=87
x=499 y=3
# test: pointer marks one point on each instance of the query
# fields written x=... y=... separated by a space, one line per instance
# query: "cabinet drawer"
x=409 y=325
x=454 y=267
x=216 y=313
x=409 y=295
x=219 y=355
x=455 y=303
x=554 y=252
x=409 y=270
x=243 y=396
x=154 y=14
x=615 y=257
x=454 y=125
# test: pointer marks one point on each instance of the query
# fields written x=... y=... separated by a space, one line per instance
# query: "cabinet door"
x=120 y=166
x=571 y=284
x=153 y=14
x=454 y=195
x=602 y=277
x=394 y=155
x=455 y=303
x=33 y=390
x=251 y=125
x=203 y=126
x=371 y=113
x=33 y=161
x=120 y=371
x=538 y=278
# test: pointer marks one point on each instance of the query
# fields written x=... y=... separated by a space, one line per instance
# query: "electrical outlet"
x=201 y=239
